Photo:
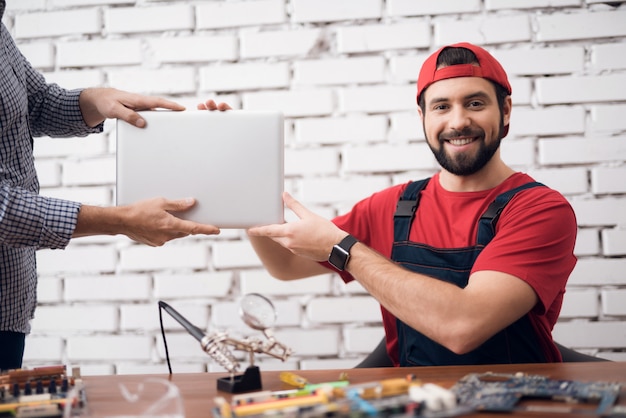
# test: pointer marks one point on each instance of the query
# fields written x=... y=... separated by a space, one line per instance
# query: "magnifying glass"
x=257 y=311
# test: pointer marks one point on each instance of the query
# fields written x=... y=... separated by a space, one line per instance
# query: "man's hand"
x=211 y=105
x=98 y=104
x=311 y=236
x=148 y=221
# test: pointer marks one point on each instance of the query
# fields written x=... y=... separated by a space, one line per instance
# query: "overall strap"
x=405 y=210
x=487 y=222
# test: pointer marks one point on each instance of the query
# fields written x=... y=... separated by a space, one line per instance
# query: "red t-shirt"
x=534 y=241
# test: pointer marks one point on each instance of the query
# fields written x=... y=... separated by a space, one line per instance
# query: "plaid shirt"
x=29 y=107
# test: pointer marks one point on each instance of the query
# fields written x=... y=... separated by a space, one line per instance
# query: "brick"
x=568 y=27
x=194 y=49
x=302 y=162
x=422 y=8
x=43 y=348
x=608 y=56
x=335 y=130
x=587 y=242
x=339 y=71
x=98 y=196
x=169 y=256
x=608 y=118
x=114 y=347
x=99 y=53
x=234 y=254
x=39 y=54
x=405 y=126
x=614 y=302
x=541 y=61
x=580 y=303
x=567 y=180
x=386 y=158
x=581 y=150
x=614 y=242
x=362 y=339
x=581 y=89
x=354 y=188
x=76 y=318
x=343 y=310
x=48 y=172
x=374 y=99
x=599 y=212
x=239 y=13
x=308 y=11
x=260 y=281
x=528 y=4
x=598 y=272
x=297 y=103
x=108 y=288
x=145 y=317
x=522 y=91
x=301 y=42
x=406 y=67
x=62 y=147
x=26 y=5
x=74 y=79
x=369 y=38
x=578 y=334
x=49 y=290
x=310 y=342
x=67 y=22
x=608 y=180
x=148 y=19
x=518 y=152
x=540 y=121
x=483 y=30
x=77 y=260
x=73 y=3
x=94 y=171
x=229 y=77
x=192 y=285
x=164 y=81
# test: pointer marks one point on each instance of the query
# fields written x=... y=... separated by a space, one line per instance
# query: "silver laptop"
x=230 y=162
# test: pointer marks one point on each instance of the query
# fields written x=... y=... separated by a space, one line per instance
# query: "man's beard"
x=463 y=164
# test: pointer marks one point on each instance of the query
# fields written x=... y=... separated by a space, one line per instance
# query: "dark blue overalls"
x=517 y=343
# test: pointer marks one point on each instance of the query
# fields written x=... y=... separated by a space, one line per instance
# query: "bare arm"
x=149 y=222
x=459 y=319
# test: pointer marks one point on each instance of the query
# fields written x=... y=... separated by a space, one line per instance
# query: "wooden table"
x=198 y=390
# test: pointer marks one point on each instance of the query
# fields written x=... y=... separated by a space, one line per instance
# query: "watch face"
x=338 y=257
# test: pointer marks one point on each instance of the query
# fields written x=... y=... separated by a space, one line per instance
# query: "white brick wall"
x=343 y=73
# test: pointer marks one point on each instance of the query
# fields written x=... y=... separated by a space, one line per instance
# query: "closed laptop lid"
x=230 y=162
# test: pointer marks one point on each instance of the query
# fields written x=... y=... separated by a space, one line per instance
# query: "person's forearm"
x=94 y=220
x=87 y=101
x=458 y=318
x=282 y=263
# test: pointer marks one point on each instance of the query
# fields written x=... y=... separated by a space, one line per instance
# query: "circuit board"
x=487 y=392
x=492 y=392
x=41 y=392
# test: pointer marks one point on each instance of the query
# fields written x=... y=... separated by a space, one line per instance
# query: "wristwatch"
x=340 y=253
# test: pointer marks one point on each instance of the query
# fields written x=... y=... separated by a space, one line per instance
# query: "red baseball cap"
x=488 y=67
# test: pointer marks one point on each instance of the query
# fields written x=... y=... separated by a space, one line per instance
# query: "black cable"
x=167 y=354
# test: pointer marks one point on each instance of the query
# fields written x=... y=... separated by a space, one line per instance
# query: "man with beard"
x=469 y=266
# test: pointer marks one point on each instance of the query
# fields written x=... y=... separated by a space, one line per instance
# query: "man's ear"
x=419 y=112
x=506 y=110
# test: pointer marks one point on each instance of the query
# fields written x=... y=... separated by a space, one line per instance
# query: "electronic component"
x=502 y=392
x=40 y=392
